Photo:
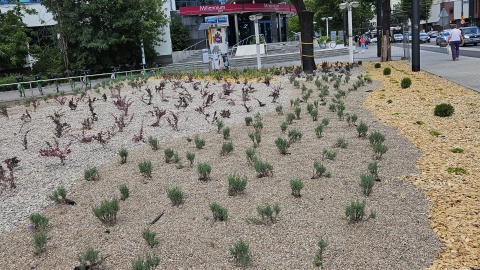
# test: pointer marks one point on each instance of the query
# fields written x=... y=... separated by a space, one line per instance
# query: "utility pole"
x=379 y=28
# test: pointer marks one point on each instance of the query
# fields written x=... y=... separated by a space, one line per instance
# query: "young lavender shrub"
x=151 y=261
x=175 y=195
x=329 y=154
x=227 y=148
x=310 y=108
x=290 y=117
x=226 y=133
x=39 y=222
x=332 y=107
x=258 y=126
x=282 y=145
x=250 y=153
x=256 y=138
x=294 y=135
x=279 y=110
x=373 y=169
x=362 y=129
x=378 y=150
x=283 y=126
x=353 y=118
x=297 y=112
x=263 y=168
x=268 y=213
x=236 y=184
x=355 y=210
x=366 y=182
x=199 y=143
x=169 y=153
x=124 y=192
x=325 y=121
x=376 y=137
x=219 y=212
x=314 y=114
x=204 y=170
x=107 y=212
x=123 y=153
x=341 y=143
x=149 y=237
x=319 y=130
x=219 y=125
x=296 y=185
x=241 y=253
x=59 y=195
x=319 y=170
x=190 y=157
x=91 y=174
x=318 y=260
x=90 y=259
x=248 y=120
x=145 y=168
x=39 y=242
x=153 y=142
x=340 y=114
x=315 y=104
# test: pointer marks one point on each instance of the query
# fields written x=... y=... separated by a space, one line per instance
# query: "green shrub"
x=379 y=149
x=123 y=153
x=296 y=185
x=236 y=184
x=314 y=114
x=107 y=212
x=373 y=169
x=377 y=65
x=91 y=174
x=290 y=118
x=376 y=137
x=387 y=71
x=90 y=259
x=175 y=195
x=341 y=142
x=456 y=170
x=355 y=210
x=332 y=107
x=248 y=120
x=250 y=153
x=318 y=260
x=190 y=157
x=39 y=242
x=366 y=182
x=325 y=121
x=297 y=112
x=241 y=253
x=199 y=143
x=279 y=109
x=360 y=62
x=283 y=126
x=456 y=150
x=294 y=135
x=150 y=262
x=319 y=170
x=220 y=213
x=227 y=148
x=219 y=125
x=329 y=154
x=310 y=107
x=258 y=126
x=145 y=168
x=444 y=110
x=226 y=133
x=435 y=133
x=149 y=237
x=169 y=152
x=282 y=145
x=124 y=192
x=39 y=222
x=153 y=142
x=203 y=170
x=256 y=138
x=268 y=213
x=362 y=129
x=263 y=168
x=59 y=195
x=405 y=83
x=319 y=130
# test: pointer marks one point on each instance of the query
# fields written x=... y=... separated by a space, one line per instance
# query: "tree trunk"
x=386 y=49
x=306 y=25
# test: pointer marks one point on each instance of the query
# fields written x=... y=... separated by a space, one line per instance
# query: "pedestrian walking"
x=454 y=39
x=362 y=43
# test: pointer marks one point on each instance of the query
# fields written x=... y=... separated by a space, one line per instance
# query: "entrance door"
x=265 y=29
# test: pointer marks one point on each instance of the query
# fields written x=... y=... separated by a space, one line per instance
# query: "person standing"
x=362 y=43
x=454 y=39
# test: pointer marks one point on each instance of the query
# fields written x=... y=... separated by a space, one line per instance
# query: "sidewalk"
x=463 y=72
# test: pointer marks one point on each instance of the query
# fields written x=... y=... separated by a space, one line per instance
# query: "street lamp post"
x=349 y=6
x=327 y=19
x=255 y=18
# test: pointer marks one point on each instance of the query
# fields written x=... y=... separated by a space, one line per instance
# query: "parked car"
x=433 y=34
x=424 y=38
x=471 y=35
x=442 y=37
x=373 y=40
x=397 y=37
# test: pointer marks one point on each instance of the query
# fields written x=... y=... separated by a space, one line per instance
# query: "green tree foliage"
x=13 y=37
x=179 y=33
x=403 y=10
x=99 y=34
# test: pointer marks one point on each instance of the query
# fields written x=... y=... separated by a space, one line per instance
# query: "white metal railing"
x=194 y=46
x=247 y=41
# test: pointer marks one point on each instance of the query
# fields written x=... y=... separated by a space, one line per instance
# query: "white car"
x=373 y=40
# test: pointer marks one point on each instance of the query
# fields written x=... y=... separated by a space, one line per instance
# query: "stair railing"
x=250 y=40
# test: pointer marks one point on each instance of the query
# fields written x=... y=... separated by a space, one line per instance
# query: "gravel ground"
x=399 y=237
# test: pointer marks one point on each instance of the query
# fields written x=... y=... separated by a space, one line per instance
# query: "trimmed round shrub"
x=444 y=110
x=360 y=62
x=406 y=82
x=377 y=65
x=387 y=71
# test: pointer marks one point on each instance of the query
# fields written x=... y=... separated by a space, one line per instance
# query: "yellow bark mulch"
x=455 y=210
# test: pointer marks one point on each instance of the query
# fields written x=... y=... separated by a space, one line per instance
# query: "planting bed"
x=398 y=238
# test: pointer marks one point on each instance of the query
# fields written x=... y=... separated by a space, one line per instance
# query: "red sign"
x=210 y=9
x=266 y=7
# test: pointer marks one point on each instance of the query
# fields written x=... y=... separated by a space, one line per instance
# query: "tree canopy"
x=13 y=38
x=179 y=33
x=100 y=34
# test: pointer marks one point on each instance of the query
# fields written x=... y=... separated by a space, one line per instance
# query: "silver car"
x=424 y=38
